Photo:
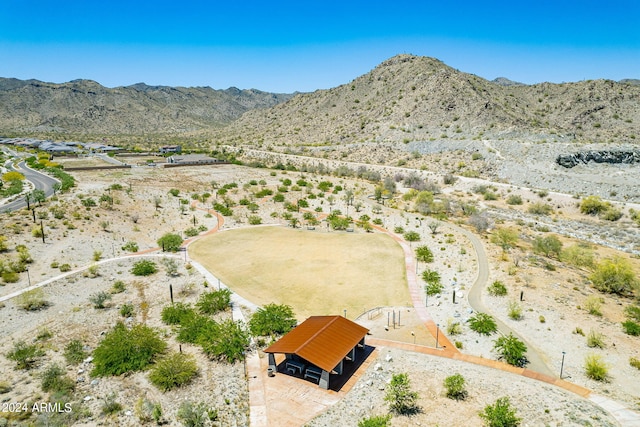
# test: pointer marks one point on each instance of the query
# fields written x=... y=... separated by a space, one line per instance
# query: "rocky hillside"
x=409 y=98
x=84 y=106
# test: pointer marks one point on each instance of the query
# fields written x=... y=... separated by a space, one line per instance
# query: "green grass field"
x=315 y=273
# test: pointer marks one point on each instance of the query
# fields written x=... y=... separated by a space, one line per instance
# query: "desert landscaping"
x=284 y=251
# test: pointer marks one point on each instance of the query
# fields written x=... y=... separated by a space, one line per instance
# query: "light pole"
x=29 y=277
x=562 y=364
x=414 y=336
x=437 y=333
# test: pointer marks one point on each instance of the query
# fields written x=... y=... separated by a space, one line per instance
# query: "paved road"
x=40 y=182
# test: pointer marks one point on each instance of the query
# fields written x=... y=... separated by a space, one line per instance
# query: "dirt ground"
x=142 y=211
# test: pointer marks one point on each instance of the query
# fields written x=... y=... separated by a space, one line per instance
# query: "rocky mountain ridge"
x=404 y=99
x=409 y=98
x=85 y=106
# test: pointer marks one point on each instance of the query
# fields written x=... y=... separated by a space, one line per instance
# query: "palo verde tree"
x=170 y=242
x=272 y=319
x=615 y=275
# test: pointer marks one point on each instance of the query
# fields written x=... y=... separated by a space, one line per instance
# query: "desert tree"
x=401 y=399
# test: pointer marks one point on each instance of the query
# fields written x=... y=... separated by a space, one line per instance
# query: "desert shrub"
x=514 y=310
x=130 y=247
x=596 y=368
x=615 y=275
x=144 y=267
x=272 y=319
x=118 y=287
x=539 y=208
x=196 y=414
x=424 y=254
x=500 y=414
x=32 y=300
x=74 y=352
x=65 y=267
x=454 y=386
x=401 y=399
x=213 y=302
x=254 y=220
x=9 y=276
x=634 y=362
x=483 y=323
x=126 y=350
x=226 y=341
x=148 y=411
x=578 y=255
x=127 y=310
x=433 y=288
x=193 y=326
x=595 y=339
x=611 y=214
x=25 y=355
x=593 y=305
x=593 y=205
x=375 y=421
x=511 y=349
x=411 y=236
x=174 y=370
x=170 y=242
x=497 y=288
x=633 y=312
x=514 y=199
x=631 y=328
x=100 y=299
x=548 y=246
x=191 y=232
x=175 y=314
x=453 y=327
x=110 y=406
x=54 y=380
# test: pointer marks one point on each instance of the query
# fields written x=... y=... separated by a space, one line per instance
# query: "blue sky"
x=287 y=46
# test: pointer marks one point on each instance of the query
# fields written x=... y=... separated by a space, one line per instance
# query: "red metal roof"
x=321 y=340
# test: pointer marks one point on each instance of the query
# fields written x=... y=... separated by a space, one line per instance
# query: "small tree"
x=401 y=399
x=615 y=275
x=272 y=319
x=511 y=349
x=500 y=414
x=506 y=238
x=170 y=242
x=455 y=387
x=548 y=246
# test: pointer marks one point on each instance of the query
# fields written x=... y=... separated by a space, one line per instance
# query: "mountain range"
x=405 y=98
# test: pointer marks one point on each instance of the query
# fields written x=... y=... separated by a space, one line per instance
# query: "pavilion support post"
x=324 y=380
x=272 y=361
x=338 y=368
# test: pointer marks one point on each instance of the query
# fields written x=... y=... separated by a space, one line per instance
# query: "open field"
x=315 y=273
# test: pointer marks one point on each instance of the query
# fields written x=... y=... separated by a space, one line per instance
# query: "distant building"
x=192 y=159
x=171 y=149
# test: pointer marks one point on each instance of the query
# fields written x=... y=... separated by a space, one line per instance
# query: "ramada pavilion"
x=318 y=348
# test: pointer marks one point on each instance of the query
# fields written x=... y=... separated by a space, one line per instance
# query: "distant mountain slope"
x=84 y=106
x=409 y=98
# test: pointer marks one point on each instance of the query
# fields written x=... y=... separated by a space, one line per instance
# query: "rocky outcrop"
x=571 y=160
